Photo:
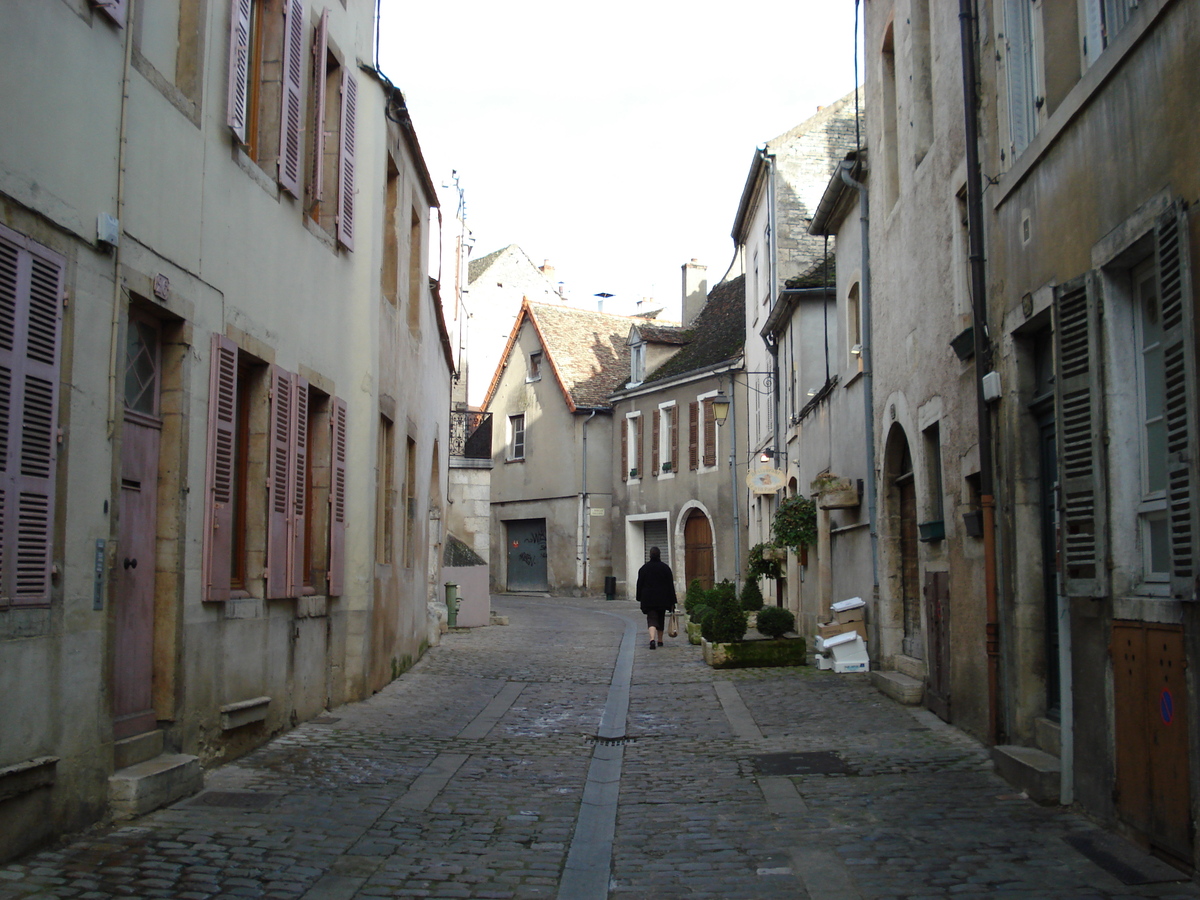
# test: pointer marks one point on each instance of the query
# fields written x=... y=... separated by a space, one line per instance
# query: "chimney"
x=695 y=291
x=548 y=270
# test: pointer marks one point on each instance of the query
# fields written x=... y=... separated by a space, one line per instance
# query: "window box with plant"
x=633 y=473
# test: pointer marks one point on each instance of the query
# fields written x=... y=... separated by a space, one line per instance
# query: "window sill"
x=1160 y=608
x=515 y=459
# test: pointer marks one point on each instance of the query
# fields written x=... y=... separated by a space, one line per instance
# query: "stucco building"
x=228 y=381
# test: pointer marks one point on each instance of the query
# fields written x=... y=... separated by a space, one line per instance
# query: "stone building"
x=228 y=378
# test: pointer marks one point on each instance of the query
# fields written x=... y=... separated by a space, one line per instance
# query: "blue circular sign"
x=1166 y=706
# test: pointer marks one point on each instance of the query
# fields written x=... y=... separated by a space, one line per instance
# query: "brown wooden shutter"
x=674 y=438
x=279 y=491
x=345 y=215
x=637 y=450
x=31 y=291
x=693 y=435
x=625 y=450
x=291 y=117
x=222 y=434
x=655 y=431
x=320 y=51
x=298 y=479
x=1080 y=415
x=239 y=67
x=337 y=499
x=710 y=434
x=1180 y=400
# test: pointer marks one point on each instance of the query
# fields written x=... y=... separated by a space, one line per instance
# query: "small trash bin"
x=610 y=586
x=451 y=604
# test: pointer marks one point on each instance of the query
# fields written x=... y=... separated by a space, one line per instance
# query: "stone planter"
x=785 y=651
x=693 y=632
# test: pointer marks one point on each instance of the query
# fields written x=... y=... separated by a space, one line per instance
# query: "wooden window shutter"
x=1019 y=62
x=655 y=432
x=31 y=291
x=638 y=435
x=298 y=480
x=320 y=51
x=674 y=438
x=117 y=10
x=337 y=499
x=710 y=434
x=345 y=215
x=291 y=116
x=1180 y=398
x=279 y=488
x=222 y=434
x=239 y=67
x=625 y=450
x=693 y=435
x=1080 y=414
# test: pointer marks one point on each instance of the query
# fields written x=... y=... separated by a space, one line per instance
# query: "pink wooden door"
x=133 y=634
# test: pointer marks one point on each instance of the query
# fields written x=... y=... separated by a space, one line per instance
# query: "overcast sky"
x=611 y=139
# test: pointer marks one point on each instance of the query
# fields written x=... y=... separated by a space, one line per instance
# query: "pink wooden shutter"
x=291 y=117
x=239 y=67
x=345 y=216
x=654 y=439
x=299 y=486
x=337 y=501
x=625 y=450
x=222 y=434
x=278 y=485
x=674 y=438
x=637 y=450
x=710 y=435
x=693 y=435
x=320 y=50
x=31 y=290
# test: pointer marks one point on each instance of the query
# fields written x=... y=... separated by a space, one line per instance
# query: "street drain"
x=234 y=799
x=816 y=762
x=610 y=741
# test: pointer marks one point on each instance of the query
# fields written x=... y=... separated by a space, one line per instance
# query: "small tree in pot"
x=775 y=622
x=796 y=522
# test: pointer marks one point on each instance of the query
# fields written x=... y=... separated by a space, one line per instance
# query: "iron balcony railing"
x=471 y=434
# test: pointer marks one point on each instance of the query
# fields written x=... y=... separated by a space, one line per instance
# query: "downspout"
x=773 y=348
x=114 y=353
x=733 y=449
x=586 y=512
x=983 y=363
x=864 y=218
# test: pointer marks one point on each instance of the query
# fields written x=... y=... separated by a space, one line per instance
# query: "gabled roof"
x=717 y=335
x=477 y=267
x=587 y=351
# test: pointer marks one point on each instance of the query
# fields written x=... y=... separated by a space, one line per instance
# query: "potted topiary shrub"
x=696 y=605
x=764 y=562
x=752 y=598
x=727 y=621
x=775 y=622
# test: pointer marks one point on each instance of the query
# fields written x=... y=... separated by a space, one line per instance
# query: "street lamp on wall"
x=720 y=408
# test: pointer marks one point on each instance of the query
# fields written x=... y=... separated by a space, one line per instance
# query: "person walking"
x=655 y=594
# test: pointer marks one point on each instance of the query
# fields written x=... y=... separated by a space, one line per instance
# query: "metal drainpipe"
x=737 y=523
x=983 y=361
x=587 y=513
x=864 y=217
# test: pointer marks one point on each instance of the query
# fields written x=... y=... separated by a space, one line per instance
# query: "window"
x=535 y=366
x=385 y=492
x=1103 y=21
x=933 y=474
x=1024 y=92
x=1151 y=383
x=414 y=273
x=329 y=196
x=922 y=80
x=410 y=504
x=666 y=441
x=263 y=424
x=854 y=327
x=891 y=135
x=31 y=290
x=390 y=274
x=266 y=66
x=631 y=448
x=637 y=362
x=170 y=38
x=516 y=436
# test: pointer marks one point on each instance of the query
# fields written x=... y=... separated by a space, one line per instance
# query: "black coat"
x=655 y=586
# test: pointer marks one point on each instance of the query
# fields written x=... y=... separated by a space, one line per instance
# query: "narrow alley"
x=559 y=756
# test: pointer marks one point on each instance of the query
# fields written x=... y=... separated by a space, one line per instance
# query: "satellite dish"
x=765 y=481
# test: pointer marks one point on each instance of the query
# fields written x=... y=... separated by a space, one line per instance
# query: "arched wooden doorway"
x=698 y=549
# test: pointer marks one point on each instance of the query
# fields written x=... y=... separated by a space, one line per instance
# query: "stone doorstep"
x=138 y=789
x=139 y=748
x=1034 y=771
x=900 y=687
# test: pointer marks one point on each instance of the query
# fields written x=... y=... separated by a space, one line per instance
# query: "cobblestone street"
x=559 y=756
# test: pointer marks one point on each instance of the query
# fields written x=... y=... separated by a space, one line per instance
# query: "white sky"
x=613 y=140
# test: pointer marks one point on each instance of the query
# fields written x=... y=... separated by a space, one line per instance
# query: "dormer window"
x=535 y=366
x=637 y=362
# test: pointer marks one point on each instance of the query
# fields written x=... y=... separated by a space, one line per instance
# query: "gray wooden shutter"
x=345 y=214
x=674 y=438
x=638 y=437
x=1180 y=389
x=298 y=483
x=625 y=450
x=31 y=291
x=279 y=491
x=1018 y=61
x=239 y=67
x=291 y=117
x=222 y=438
x=1081 y=456
x=655 y=431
